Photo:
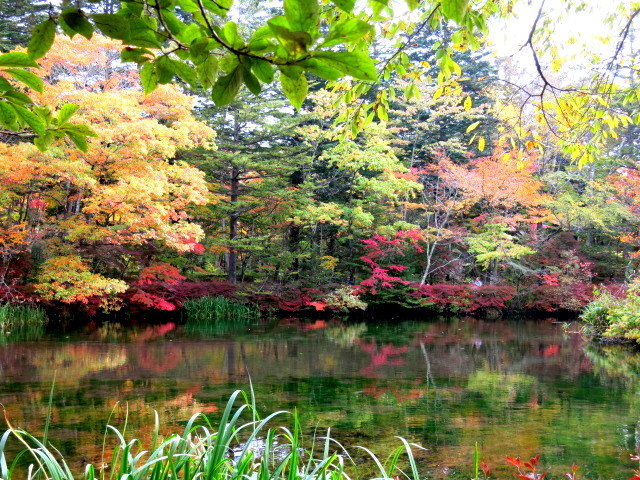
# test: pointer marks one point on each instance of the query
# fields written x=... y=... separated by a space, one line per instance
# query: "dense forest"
x=453 y=191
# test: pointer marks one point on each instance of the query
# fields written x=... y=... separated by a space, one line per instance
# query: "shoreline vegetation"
x=609 y=314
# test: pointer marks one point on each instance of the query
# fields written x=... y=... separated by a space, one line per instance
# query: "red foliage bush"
x=466 y=298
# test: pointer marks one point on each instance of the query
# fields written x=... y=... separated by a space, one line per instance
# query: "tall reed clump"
x=218 y=315
x=21 y=322
x=251 y=449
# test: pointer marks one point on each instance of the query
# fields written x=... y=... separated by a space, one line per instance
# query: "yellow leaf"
x=473 y=126
x=467 y=104
x=481 y=144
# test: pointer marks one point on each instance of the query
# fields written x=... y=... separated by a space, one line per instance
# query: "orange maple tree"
x=92 y=207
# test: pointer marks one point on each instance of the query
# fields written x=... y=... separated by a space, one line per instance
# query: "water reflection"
x=517 y=388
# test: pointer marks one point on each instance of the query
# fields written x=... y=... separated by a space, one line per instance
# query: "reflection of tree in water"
x=438 y=428
x=381 y=356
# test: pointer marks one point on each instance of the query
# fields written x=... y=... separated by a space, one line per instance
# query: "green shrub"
x=219 y=315
x=619 y=318
x=21 y=322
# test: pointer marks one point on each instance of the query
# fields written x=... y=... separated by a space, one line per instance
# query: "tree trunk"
x=232 y=264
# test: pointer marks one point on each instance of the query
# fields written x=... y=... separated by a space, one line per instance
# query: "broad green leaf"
x=302 y=15
x=138 y=55
x=114 y=26
x=262 y=69
x=43 y=142
x=230 y=34
x=454 y=9
x=31 y=80
x=347 y=31
x=295 y=42
x=79 y=141
x=80 y=129
x=173 y=23
x=208 y=71
x=251 y=81
x=346 y=5
x=17 y=59
x=148 y=77
x=199 y=50
x=42 y=38
x=8 y=116
x=66 y=112
x=185 y=72
x=16 y=97
x=295 y=89
x=356 y=64
x=227 y=87
x=219 y=7
x=73 y=21
x=165 y=70
x=412 y=4
x=321 y=69
x=31 y=119
x=130 y=30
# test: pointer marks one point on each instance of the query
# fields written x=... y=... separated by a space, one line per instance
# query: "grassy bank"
x=21 y=322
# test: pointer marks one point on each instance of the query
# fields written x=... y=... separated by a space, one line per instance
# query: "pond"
x=517 y=387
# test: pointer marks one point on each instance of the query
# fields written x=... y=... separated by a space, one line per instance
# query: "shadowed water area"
x=515 y=387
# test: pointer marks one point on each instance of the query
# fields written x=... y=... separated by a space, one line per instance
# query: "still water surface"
x=515 y=387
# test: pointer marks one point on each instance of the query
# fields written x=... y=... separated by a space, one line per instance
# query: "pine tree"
x=17 y=19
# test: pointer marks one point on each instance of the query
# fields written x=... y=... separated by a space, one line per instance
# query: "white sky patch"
x=574 y=42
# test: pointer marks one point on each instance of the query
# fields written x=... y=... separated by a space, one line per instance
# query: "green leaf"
x=208 y=72
x=262 y=69
x=138 y=55
x=347 y=31
x=295 y=43
x=8 y=116
x=130 y=30
x=454 y=9
x=356 y=64
x=199 y=50
x=321 y=69
x=73 y=21
x=148 y=77
x=173 y=23
x=113 y=26
x=230 y=34
x=302 y=15
x=31 y=80
x=43 y=142
x=227 y=87
x=16 y=97
x=251 y=81
x=219 y=7
x=17 y=59
x=42 y=38
x=185 y=72
x=66 y=112
x=80 y=129
x=346 y=5
x=412 y=4
x=295 y=89
x=31 y=119
x=80 y=141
